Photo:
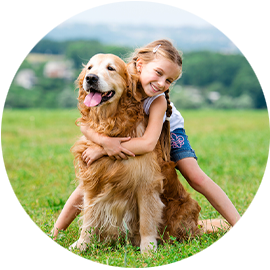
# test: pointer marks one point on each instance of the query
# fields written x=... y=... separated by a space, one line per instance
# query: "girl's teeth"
x=155 y=88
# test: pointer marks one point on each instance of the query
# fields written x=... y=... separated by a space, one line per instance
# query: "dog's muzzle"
x=95 y=96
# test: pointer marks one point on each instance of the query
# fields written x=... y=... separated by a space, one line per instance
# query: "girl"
x=157 y=66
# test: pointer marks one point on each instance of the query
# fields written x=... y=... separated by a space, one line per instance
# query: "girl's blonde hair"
x=147 y=54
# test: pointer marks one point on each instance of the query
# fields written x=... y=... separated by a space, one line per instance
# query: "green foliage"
x=46 y=46
x=19 y=97
x=245 y=81
x=45 y=93
x=228 y=102
x=67 y=99
x=42 y=96
x=230 y=76
x=81 y=51
x=232 y=148
x=203 y=68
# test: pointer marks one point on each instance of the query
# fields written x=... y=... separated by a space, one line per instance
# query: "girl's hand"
x=92 y=154
x=113 y=147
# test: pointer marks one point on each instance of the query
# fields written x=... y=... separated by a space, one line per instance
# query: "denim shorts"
x=180 y=146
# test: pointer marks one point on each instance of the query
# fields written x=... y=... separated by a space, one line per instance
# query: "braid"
x=169 y=107
x=165 y=140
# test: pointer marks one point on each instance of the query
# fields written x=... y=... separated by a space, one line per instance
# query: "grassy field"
x=232 y=147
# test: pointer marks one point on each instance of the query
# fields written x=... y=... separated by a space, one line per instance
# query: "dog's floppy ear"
x=79 y=83
x=81 y=96
x=80 y=79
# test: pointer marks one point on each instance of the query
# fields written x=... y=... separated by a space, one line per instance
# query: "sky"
x=139 y=13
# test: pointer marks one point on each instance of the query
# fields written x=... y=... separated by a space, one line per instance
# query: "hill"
x=185 y=38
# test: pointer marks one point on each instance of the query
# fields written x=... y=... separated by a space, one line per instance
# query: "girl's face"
x=157 y=75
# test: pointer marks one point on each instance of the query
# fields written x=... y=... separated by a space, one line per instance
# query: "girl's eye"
x=169 y=81
x=89 y=67
x=110 y=68
x=158 y=72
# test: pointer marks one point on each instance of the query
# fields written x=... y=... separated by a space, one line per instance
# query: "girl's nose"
x=161 y=83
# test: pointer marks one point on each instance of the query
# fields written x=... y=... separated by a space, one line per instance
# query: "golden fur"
x=142 y=193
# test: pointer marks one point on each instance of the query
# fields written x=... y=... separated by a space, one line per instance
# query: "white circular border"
x=23 y=24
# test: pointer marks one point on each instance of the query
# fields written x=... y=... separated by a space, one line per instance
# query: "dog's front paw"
x=148 y=243
x=73 y=246
x=79 y=244
x=82 y=245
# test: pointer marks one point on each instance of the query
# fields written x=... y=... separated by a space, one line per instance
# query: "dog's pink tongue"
x=93 y=99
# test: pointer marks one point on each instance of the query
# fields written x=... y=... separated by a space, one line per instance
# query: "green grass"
x=232 y=147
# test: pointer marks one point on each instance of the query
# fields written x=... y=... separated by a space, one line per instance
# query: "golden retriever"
x=141 y=194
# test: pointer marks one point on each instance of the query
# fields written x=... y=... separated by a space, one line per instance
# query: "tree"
x=81 y=51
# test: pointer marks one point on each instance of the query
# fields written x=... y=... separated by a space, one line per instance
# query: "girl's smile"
x=155 y=89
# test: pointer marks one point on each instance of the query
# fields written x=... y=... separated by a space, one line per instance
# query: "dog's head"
x=109 y=99
x=103 y=80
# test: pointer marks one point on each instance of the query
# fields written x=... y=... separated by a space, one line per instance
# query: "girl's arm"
x=148 y=141
x=111 y=145
x=121 y=146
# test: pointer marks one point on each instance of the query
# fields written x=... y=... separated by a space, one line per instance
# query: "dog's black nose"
x=91 y=78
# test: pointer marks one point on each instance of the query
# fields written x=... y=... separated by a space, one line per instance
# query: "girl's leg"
x=207 y=187
x=69 y=212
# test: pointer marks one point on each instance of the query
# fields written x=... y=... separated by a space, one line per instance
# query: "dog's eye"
x=89 y=67
x=110 y=68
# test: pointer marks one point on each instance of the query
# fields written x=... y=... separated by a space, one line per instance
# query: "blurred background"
x=215 y=73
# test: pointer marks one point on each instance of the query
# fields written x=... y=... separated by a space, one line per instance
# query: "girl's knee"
x=197 y=181
x=192 y=172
